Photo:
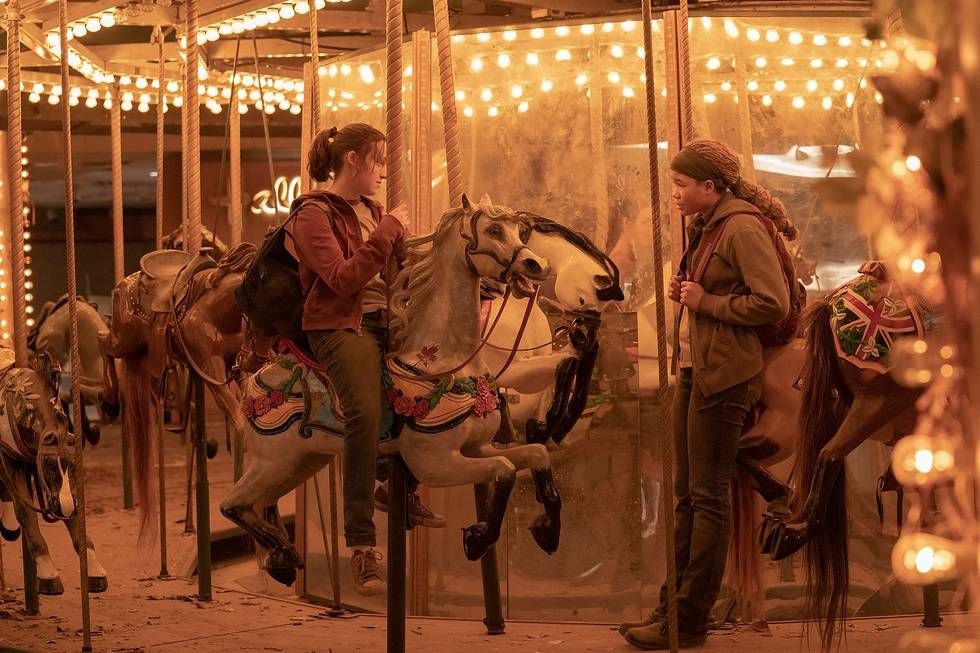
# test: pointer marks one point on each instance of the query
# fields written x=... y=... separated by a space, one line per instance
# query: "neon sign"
x=277 y=200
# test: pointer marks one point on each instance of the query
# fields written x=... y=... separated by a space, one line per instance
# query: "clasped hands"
x=687 y=293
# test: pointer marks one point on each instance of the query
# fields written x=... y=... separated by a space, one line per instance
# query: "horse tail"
x=137 y=400
x=826 y=398
x=744 y=562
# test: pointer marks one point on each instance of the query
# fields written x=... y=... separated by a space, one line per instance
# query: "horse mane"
x=237 y=259
x=545 y=225
x=416 y=280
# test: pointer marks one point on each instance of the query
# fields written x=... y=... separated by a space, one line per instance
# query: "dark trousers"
x=706 y=434
x=353 y=363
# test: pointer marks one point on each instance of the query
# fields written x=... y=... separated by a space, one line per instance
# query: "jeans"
x=353 y=363
x=706 y=434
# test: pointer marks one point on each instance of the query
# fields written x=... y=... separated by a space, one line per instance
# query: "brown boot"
x=654 y=638
x=420 y=514
x=654 y=617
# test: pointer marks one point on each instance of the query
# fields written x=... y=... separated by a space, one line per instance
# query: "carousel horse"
x=51 y=334
x=589 y=279
x=181 y=308
x=175 y=240
x=37 y=465
x=822 y=396
x=440 y=392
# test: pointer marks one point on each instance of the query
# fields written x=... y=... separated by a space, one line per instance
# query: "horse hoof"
x=476 y=542
x=789 y=540
x=283 y=563
x=110 y=409
x=50 y=586
x=93 y=434
x=10 y=535
x=546 y=533
x=98 y=584
x=284 y=575
x=212 y=448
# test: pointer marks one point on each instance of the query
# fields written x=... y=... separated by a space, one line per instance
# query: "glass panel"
x=792 y=95
x=553 y=120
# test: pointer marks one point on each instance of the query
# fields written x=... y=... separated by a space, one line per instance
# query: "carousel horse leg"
x=97 y=577
x=790 y=537
x=203 y=499
x=492 y=604
x=538 y=432
x=36 y=554
x=398 y=525
x=90 y=431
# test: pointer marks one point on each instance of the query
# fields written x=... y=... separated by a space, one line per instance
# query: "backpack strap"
x=706 y=249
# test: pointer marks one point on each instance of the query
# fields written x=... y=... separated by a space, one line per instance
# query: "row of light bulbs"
x=259 y=19
x=28 y=284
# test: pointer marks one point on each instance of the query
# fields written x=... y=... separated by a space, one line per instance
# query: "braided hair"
x=705 y=159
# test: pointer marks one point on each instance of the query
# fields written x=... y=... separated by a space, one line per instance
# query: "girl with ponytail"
x=733 y=280
x=343 y=240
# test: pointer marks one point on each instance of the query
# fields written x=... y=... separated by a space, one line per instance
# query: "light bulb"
x=141 y=82
x=628 y=91
x=302 y=7
x=493 y=112
x=616 y=51
x=173 y=86
x=811 y=85
x=713 y=63
x=795 y=38
x=924 y=559
x=286 y=11
x=537 y=33
x=819 y=39
x=827 y=103
x=468 y=112
x=108 y=19
x=532 y=59
x=787 y=61
x=78 y=30
x=225 y=29
x=752 y=85
x=93 y=24
x=730 y=28
x=91 y=102
x=841 y=63
x=563 y=55
x=816 y=63
x=628 y=25
x=582 y=79
x=779 y=85
x=523 y=107
x=767 y=100
x=547 y=85
x=798 y=102
x=503 y=60
x=486 y=95
x=509 y=35
x=587 y=30
x=516 y=91
x=726 y=86
x=460 y=95
x=562 y=31
x=913 y=163
x=838 y=85
x=476 y=64
x=772 y=36
x=366 y=73
x=710 y=98
x=760 y=62
x=752 y=34
x=614 y=77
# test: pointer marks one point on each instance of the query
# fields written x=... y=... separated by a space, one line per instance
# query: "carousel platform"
x=141 y=611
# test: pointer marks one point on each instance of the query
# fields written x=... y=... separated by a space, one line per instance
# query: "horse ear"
x=485 y=201
x=467 y=207
x=42 y=363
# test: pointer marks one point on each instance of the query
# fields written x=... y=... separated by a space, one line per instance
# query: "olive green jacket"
x=744 y=287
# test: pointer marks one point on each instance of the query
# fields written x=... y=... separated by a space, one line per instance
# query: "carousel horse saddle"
x=166 y=277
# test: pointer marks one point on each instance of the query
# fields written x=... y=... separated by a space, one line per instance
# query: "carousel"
x=169 y=421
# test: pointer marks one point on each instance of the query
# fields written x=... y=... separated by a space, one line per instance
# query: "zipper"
x=360 y=320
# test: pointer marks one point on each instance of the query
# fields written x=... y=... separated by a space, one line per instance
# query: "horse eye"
x=494 y=231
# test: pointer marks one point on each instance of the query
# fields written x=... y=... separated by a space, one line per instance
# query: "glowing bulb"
x=272 y=16
x=913 y=163
x=468 y=112
x=772 y=36
x=537 y=33
x=816 y=63
x=616 y=51
x=78 y=30
x=795 y=38
x=787 y=61
x=714 y=63
x=173 y=86
x=286 y=11
x=345 y=69
x=532 y=59
x=141 y=82
x=841 y=63
x=562 y=31
x=34 y=97
x=366 y=73
x=476 y=64
x=91 y=102
x=523 y=107
x=108 y=19
x=710 y=98
x=628 y=26
x=587 y=30
x=628 y=91
x=727 y=86
x=493 y=112
x=483 y=37
x=516 y=91
x=582 y=79
x=752 y=34
x=819 y=39
x=827 y=103
x=798 y=102
x=302 y=7
x=767 y=100
x=503 y=60
x=811 y=85
x=614 y=77
x=509 y=35
x=563 y=55
x=486 y=95
x=730 y=28
x=547 y=85
x=760 y=62
x=53 y=99
x=460 y=95
x=844 y=41
x=923 y=558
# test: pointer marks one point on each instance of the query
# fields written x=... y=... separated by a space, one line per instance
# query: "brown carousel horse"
x=178 y=308
x=822 y=397
x=37 y=465
x=50 y=334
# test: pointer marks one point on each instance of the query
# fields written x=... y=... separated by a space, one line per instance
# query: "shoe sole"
x=680 y=644
x=376 y=591
x=416 y=520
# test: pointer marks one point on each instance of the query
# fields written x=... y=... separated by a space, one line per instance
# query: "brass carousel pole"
x=158 y=410
x=663 y=394
x=193 y=239
x=494 y=619
x=235 y=176
x=16 y=215
x=118 y=262
x=397 y=484
x=76 y=366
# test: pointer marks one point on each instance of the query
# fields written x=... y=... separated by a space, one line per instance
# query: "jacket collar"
x=335 y=201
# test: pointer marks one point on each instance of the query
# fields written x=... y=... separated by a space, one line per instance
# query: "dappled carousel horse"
x=821 y=398
x=442 y=394
x=51 y=334
x=37 y=464
x=178 y=307
x=588 y=280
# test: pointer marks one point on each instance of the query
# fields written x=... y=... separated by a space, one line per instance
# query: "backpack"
x=781 y=331
x=271 y=296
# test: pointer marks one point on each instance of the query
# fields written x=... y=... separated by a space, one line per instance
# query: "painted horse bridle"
x=472 y=249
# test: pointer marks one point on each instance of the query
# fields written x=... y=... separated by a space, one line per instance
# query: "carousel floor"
x=142 y=612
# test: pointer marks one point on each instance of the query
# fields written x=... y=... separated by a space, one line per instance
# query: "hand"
x=674 y=291
x=400 y=213
x=691 y=294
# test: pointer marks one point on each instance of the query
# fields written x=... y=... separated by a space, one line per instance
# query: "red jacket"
x=335 y=262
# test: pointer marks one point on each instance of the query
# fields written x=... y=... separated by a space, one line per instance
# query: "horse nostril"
x=532 y=266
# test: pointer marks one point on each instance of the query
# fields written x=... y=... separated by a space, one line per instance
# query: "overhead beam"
x=590 y=7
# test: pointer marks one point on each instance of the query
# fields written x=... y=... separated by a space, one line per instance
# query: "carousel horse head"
x=496 y=246
x=30 y=405
x=585 y=278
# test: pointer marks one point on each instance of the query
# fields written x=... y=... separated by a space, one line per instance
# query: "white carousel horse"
x=37 y=466
x=294 y=424
x=588 y=281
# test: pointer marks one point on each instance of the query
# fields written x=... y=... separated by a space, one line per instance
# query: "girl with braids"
x=343 y=240
x=732 y=281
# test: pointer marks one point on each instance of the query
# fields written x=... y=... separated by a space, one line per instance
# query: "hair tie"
x=331 y=134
